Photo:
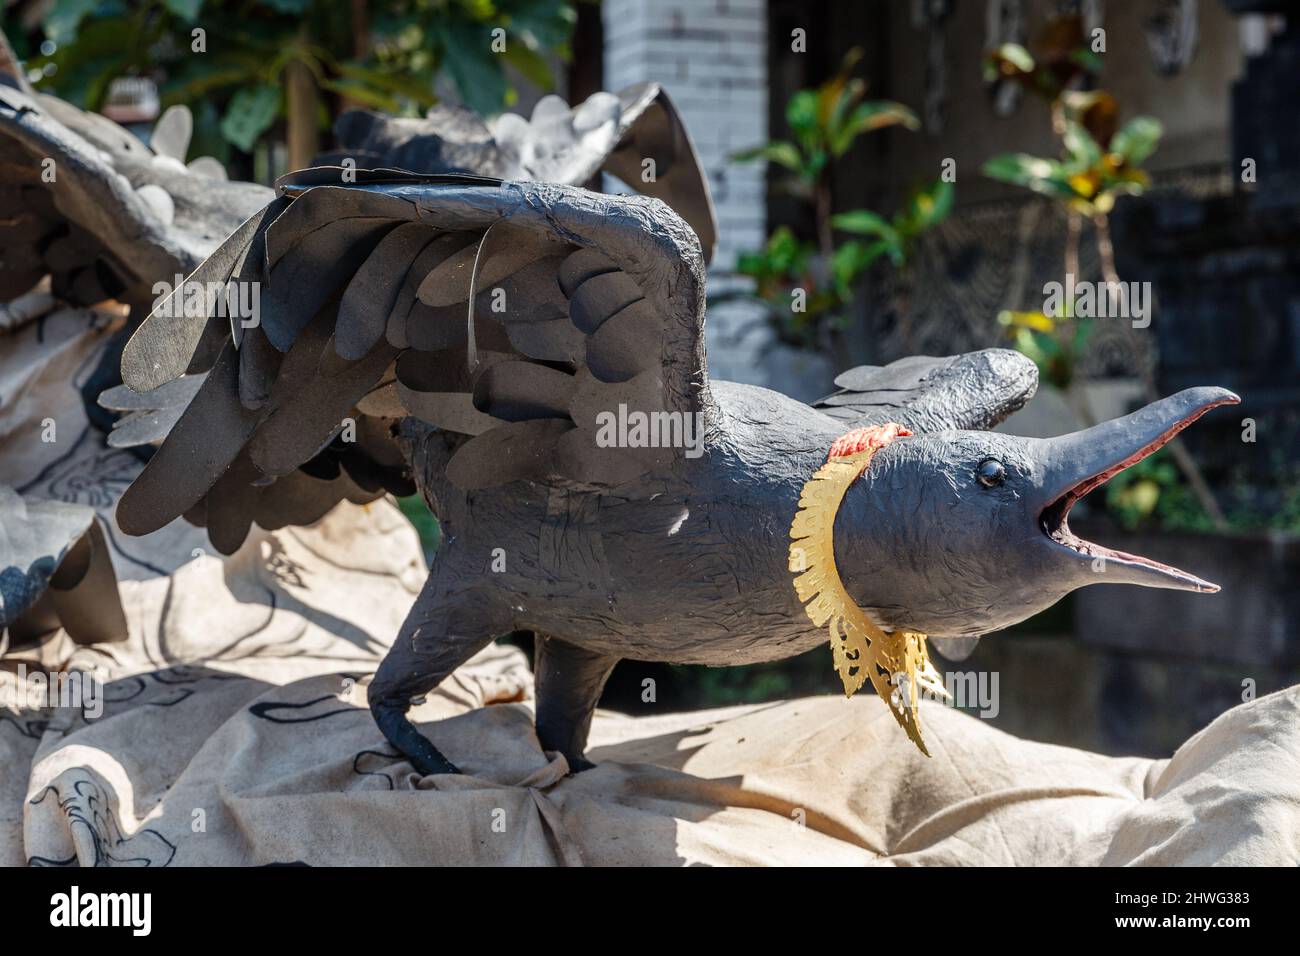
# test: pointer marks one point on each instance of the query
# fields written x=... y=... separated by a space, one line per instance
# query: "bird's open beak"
x=1079 y=462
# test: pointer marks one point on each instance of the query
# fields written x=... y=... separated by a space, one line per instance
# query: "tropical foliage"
x=825 y=123
x=1062 y=60
x=1100 y=161
x=1092 y=172
x=387 y=55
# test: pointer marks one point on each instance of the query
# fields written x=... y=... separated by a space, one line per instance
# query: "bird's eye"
x=990 y=473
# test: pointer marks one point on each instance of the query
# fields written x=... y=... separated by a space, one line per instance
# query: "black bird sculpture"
x=531 y=358
x=97 y=217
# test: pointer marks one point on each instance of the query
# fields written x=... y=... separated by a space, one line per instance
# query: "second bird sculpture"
x=531 y=358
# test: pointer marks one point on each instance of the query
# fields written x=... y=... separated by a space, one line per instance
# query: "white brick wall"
x=711 y=57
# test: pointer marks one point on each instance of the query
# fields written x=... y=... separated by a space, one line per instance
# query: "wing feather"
x=577 y=302
x=372 y=294
x=311 y=272
x=976 y=390
x=164 y=345
x=199 y=449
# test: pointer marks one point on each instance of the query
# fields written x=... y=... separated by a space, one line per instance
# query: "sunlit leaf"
x=1137 y=139
x=779 y=152
x=801 y=114
x=930 y=205
x=864 y=222
x=1082 y=149
x=477 y=72
x=531 y=65
x=1016 y=56
x=64 y=17
x=835 y=122
x=1084 y=185
x=1037 y=321
x=251 y=112
x=187 y=10
x=1046 y=176
x=877 y=114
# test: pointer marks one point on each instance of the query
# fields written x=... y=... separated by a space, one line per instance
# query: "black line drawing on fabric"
x=265 y=710
x=33 y=728
x=387 y=757
x=88 y=807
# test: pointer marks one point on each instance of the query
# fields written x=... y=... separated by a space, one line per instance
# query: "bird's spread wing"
x=448 y=139
x=585 y=308
x=636 y=135
x=651 y=128
x=87 y=203
x=973 y=391
x=55 y=570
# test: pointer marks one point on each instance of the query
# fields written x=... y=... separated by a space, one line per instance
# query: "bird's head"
x=961 y=533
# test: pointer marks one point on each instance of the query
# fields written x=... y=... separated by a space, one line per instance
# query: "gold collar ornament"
x=896 y=662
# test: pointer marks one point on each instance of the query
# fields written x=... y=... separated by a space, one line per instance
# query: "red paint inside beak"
x=1054 y=519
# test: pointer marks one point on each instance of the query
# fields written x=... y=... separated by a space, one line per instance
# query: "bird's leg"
x=435 y=639
x=569 y=680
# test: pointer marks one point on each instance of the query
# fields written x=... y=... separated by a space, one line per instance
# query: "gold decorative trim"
x=898 y=663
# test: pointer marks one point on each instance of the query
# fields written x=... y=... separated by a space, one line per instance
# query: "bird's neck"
x=874 y=550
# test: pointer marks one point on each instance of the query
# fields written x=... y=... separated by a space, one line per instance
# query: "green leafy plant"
x=1134 y=495
x=925 y=206
x=270 y=59
x=824 y=123
x=1100 y=161
x=426 y=525
x=1062 y=60
x=1086 y=180
x=1154 y=493
x=1055 y=344
x=1091 y=175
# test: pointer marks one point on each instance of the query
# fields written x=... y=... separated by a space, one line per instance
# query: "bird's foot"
x=578 y=763
x=435 y=763
x=401 y=733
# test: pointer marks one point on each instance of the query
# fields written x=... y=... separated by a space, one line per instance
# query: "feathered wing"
x=447 y=139
x=147 y=418
x=973 y=391
x=613 y=133
x=581 y=303
x=651 y=128
x=105 y=216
